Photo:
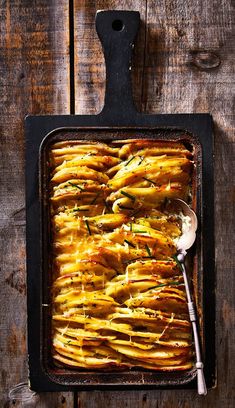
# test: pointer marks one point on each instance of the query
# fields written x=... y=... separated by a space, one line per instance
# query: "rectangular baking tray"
x=131 y=377
x=118 y=120
x=138 y=378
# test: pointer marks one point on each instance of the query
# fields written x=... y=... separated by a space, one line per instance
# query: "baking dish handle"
x=117 y=31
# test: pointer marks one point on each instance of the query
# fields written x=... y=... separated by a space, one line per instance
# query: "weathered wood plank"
x=184 y=62
x=34 y=78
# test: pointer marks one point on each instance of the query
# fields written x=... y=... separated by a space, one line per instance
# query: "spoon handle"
x=201 y=383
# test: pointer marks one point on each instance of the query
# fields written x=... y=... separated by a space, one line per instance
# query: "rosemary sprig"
x=75 y=185
x=88 y=227
x=128 y=195
x=129 y=243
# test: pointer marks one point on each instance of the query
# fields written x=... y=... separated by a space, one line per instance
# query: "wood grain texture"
x=34 y=78
x=183 y=63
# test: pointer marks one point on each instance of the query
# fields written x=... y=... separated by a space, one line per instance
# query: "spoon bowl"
x=188 y=236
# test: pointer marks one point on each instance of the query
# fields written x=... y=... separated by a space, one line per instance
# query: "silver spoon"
x=185 y=242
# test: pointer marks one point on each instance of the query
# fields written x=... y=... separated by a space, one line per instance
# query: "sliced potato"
x=118 y=298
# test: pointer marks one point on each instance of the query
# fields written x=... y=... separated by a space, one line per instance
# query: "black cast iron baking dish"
x=118 y=120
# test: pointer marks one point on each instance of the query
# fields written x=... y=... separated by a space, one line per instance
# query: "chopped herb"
x=166 y=284
x=140 y=231
x=128 y=195
x=148 y=250
x=136 y=212
x=150 y=181
x=142 y=158
x=125 y=208
x=176 y=283
x=95 y=198
x=75 y=185
x=88 y=227
x=130 y=160
x=159 y=286
x=137 y=259
x=129 y=243
x=69 y=341
x=80 y=209
x=166 y=202
x=178 y=262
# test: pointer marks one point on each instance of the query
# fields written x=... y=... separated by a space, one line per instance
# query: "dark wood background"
x=183 y=62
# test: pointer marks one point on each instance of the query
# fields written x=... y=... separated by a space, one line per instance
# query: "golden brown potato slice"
x=118 y=299
x=79 y=172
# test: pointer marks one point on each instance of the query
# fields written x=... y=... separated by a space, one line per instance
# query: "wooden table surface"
x=183 y=62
